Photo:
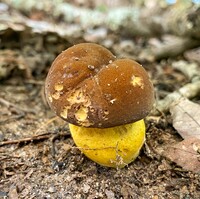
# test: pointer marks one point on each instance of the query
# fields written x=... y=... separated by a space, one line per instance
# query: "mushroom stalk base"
x=112 y=147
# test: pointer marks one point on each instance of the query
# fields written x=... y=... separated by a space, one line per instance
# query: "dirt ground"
x=38 y=158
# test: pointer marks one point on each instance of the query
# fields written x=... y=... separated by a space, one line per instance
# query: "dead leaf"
x=185 y=154
x=193 y=55
x=186 y=118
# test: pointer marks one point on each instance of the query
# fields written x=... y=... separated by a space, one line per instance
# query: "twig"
x=16 y=117
x=189 y=91
x=168 y=46
x=34 y=137
x=8 y=158
x=190 y=70
x=42 y=136
x=17 y=107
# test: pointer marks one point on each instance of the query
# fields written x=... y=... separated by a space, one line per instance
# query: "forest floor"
x=38 y=158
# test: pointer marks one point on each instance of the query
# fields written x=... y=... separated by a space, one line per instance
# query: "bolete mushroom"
x=103 y=99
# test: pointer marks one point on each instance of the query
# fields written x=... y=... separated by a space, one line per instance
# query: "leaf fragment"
x=185 y=154
x=186 y=118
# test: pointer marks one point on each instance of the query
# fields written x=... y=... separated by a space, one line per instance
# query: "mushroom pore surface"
x=87 y=86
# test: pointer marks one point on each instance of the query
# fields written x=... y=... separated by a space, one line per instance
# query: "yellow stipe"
x=112 y=147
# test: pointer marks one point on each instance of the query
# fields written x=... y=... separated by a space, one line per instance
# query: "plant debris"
x=38 y=159
x=186 y=118
x=185 y=154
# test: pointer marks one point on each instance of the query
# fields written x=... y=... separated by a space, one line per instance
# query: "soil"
x=38 y=158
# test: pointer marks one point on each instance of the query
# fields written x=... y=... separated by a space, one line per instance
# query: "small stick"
x=8 y=104
x=189 y=91
x=29 y=139
x=11 y=119
x=190 y=70
x=34 y=137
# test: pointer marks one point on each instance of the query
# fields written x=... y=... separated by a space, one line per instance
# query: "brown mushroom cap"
x=87 y=86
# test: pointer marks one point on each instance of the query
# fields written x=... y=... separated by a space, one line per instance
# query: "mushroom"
x=103 y=99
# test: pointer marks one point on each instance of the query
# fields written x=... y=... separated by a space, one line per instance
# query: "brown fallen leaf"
x=185 y=154
x=186 y=118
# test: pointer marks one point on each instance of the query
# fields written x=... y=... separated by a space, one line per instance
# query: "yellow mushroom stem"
x=111 y=147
